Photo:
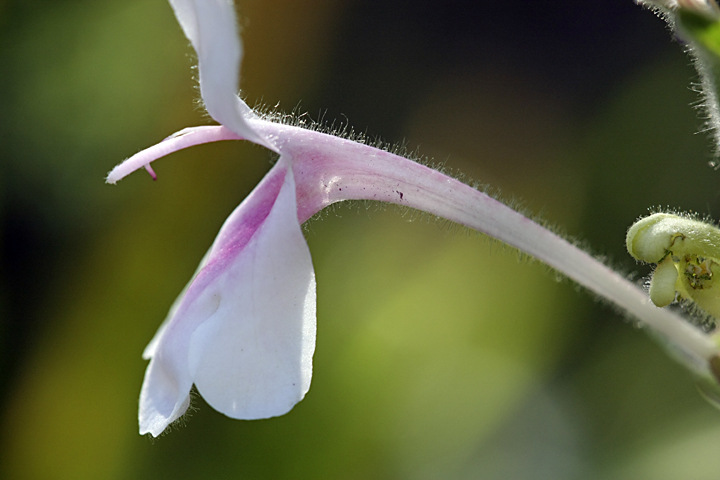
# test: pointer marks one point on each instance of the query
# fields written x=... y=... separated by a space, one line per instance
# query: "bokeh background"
x=439 y=354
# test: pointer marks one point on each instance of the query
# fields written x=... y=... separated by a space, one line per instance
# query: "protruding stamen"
x=151 y=172
x=185 y=138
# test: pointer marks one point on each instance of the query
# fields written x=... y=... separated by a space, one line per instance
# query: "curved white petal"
x=253 y=358
x=211 y=27
x=185 y=138
x=151 y=347
x=165 y=395
x=244 y=331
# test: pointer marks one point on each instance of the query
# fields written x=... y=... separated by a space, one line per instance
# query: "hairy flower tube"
x=243 y=331
x=704 y=8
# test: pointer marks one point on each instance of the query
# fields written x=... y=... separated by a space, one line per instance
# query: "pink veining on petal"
x=252 y=357
x=242 y=224
x=185 y=138
x=168 y=380
x=237 y=231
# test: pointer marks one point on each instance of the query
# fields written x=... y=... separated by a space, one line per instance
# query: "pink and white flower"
x=243 y=330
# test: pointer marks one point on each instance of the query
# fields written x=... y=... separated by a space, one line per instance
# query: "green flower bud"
x=687 y=254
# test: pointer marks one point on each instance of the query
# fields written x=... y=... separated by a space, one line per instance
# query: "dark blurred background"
x=439 y=354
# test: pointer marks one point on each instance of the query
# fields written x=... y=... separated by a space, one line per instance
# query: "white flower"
x=243 y=331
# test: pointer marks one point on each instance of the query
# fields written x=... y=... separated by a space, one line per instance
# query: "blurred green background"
x=439 y=354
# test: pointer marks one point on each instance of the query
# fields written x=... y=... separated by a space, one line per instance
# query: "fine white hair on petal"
x=707 y=8
x=164 y=397
x=253 y=357
x=671 y=4
x=211 y=27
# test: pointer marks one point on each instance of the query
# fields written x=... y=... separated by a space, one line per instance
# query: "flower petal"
x=253 y=358
x=165 y=396
x=210 y=25
x=151 y=347
x=244 y=331
x=185 y=138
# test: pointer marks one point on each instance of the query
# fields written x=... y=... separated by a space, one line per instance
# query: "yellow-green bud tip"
x=649 y=238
